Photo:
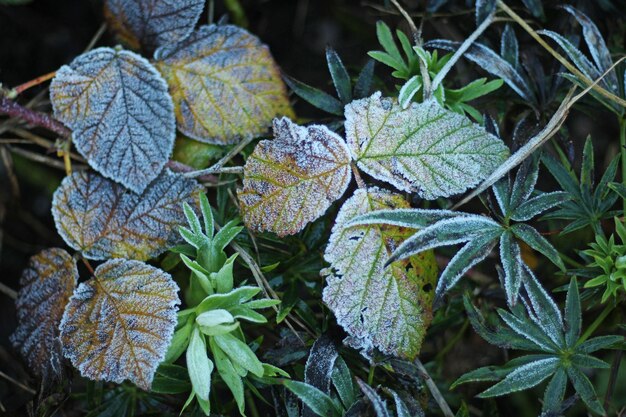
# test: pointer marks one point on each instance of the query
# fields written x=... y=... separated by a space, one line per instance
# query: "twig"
x=9 y=292
x=18 y=383
x=462 y=49
x=432 y=387
x=44 y=143
x=551 y=128
x=96 y=37
x=38 y=158
x=32 y=83
x=560 y=57
x=216 y=168
x=407 y=17
x=177 y=166
x=12 y=109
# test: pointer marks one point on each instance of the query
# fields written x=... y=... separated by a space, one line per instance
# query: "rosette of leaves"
x=407 y=67
x=559 y=351
x=515 y=207
x=209 y=331
x=589 y=203
x=610 y=259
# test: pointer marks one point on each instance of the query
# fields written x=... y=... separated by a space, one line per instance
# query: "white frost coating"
x=424 y=149
x=524 y=377
x=45 y=288
x=511 y=260
x=225 y=84
x=386 y=308
x=293 y=179
x=546 y=313
x=153 y=23
x=521 y=327
x=118 y=324
x=120 y=112
x=103 y=220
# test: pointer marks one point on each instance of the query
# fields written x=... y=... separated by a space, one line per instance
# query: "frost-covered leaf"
x=119 y=323
x=512 y=264
x=120 y=112
x=45 y=288
x=524 y=377
x=387 y=308
x=424 y=149
x=293 y=179
x=225 y=84
x=491 y=62
x=148 y=24
x=319 y=367
x=509 y=47
x=103 y=220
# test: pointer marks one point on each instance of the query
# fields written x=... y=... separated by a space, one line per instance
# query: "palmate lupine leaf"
x=560 y=355
x=589 y=203
x=443 y=228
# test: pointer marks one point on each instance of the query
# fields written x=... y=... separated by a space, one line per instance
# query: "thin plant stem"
x=34 y=82
x=462 y=49
x=434 y=391
x=9 y=292
x=18 y=383
x=597 y=322
x=12 y=109
x=217 y=167
x=622 y=149
x=370 y=375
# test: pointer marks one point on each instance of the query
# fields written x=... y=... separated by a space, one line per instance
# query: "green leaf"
x=315 y=399
x=495 y=373
x=245 y=313
x=240 y=353
x=179 y=342
x=317 y=98
x=224 y=277
x=532 y=237
x=385 y=37
x=586 y=361
x=379 y=405
x=343 y=382
x=573 y=315
x=545 y=312
x=413 y=218
x=214 y=317
x=363 y=84
x=387 y=308
x=585 y=389
x=228 y=374
x=339 y=74
x=598 y=343
x=233 y=298
x=523 y=377
x=537 y=205
x=424 y=149
x=555 y=391
x=511 y=260
x=408 y=91
x=199 y=365
x=171 y=379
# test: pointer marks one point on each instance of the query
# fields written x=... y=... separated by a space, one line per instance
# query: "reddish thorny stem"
x=12 y=109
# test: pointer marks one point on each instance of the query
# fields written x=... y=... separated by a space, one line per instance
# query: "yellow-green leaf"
x=45 y=288
x=293 y=179
x=385 y=308
x=103 y=220
x=225 y=84
x=118 y=324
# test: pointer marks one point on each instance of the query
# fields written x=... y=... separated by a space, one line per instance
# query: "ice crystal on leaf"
x=225 y=84
x=45 y=287
x=149 y=24
x=293 y=179
x=387 y=308
x=103 y=220
x=559 y=350
x=120 y=113
x=118 y=324
x=424 y=149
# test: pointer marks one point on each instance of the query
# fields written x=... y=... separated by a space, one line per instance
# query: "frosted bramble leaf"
x=120 y=112
x=293 y=179
x=118 y=324
x=45 y=287
x=424 y=149
x=225 y=84
x=149 y=24
x=387 y=308
x=103 y=220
